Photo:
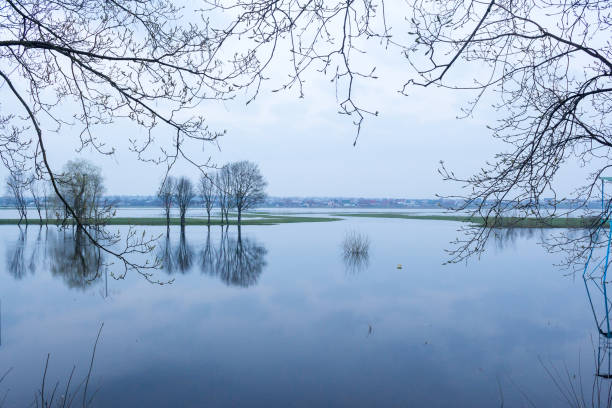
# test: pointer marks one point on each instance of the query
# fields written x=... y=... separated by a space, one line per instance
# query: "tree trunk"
x=46 y=212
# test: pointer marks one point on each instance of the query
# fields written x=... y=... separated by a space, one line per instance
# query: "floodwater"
x=198 y=212
x=278 y=317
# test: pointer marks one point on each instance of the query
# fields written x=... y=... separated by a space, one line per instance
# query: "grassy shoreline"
x=160 y=221
x=504 y=222
x=271 y=219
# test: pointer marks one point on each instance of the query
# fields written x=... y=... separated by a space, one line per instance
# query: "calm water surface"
x=279 y=318
x=143 y=212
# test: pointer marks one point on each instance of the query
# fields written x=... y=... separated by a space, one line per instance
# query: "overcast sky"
x=305 y=148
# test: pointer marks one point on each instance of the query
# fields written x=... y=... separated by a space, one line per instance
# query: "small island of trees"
x=236 y=186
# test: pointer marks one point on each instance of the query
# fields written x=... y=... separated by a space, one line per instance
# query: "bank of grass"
x=503 y=222
x=271 y=219
x=262 y=220
x=160 y=221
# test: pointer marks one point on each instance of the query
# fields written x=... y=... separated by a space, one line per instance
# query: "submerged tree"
x=223 y=182
x=183 y=194
x=166 y=194
x=207 y=193
x=17 y=184
x=246 y=187
x=38 y=191
x=81 y=184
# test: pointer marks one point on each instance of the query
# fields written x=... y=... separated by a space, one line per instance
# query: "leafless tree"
x=223 y=182
x=545 y=66
x=207 y=193
x=553 y=79
x=84 y=64
x=247 y=186
x=81 y=184
x=166 y=195
x=183 y=194
x=17 y=184
x=546 y=63
x=39 y=195
x=47 y=200
x=83 y=206
x=320 y=36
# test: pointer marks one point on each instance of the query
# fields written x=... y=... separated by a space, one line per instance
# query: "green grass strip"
x=268 y=220
x=503 y=222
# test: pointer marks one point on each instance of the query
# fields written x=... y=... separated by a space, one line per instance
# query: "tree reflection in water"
x=505 y=238
x=178 y=259
x=68 y=255
x=166 y=254
x=237 y=261
x=184 y=254
x=15 y=256
x=74 y=258
x=35 y=256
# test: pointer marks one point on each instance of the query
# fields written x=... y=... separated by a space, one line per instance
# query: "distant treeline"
x=302 y=202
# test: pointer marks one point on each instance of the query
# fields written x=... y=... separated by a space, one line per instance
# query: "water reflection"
x=15 y=256
x=176 y=259
x=237 y=261
x=467 y=328
x=355 y=252
x=73 y=258
x=355 y=262
x=598 y=293
x=505 y=238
